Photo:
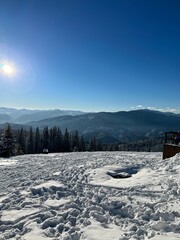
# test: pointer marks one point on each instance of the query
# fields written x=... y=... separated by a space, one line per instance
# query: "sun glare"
x=7 y=69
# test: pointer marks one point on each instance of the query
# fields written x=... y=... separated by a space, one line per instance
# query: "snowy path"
x=73 y=196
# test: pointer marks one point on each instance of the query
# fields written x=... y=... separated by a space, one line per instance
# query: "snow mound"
x=120 y=177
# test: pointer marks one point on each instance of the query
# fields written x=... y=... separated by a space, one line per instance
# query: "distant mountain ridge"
x=4 y=118
x=22 y=116
x=108 y=127
x=119 y=126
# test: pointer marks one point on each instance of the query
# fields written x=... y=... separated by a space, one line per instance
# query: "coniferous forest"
x=52 y=140
x=35 y=141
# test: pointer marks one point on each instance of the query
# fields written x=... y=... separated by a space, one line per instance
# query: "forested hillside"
x=17 y=142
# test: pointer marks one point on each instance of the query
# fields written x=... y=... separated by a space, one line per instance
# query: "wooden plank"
x=170 y=150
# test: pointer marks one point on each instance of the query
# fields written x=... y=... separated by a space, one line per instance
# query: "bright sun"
x=7 y=69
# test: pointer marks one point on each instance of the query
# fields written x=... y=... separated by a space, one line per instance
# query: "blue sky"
x=91 y=55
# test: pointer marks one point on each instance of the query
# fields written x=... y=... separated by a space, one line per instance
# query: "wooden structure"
x=171 y=144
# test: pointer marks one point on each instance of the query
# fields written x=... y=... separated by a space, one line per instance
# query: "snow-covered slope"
x=93 y=196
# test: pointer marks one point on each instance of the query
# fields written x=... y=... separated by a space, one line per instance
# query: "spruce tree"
x=75 y=141
x=51 y=140
x=21 y=141
x=58 y=140
x=7 y=142
x=93 y=144
x=37 y=142
x=82 y=145
x=99 y=146
x=30 y=142
x=45 y=138
x=66 y=141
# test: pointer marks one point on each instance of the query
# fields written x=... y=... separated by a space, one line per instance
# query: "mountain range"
x=21 y=116
x=108 y=127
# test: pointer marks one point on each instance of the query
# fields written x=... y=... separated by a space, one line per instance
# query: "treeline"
x=146 y=145
x=36 y=141
x=54 y=140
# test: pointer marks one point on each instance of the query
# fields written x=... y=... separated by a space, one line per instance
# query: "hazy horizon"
x=70 y=109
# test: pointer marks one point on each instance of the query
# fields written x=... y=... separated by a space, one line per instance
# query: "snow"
x=101 y=176
x=49 y=184
x=34 y=233
x=2 y=198
x=92 y=196
x=16 y=215
x=6 y=162
x=96 y=232
x=168 y=236
x=56 y=203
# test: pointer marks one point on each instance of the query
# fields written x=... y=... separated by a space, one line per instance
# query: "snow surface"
x=92 y=196
x=5 y=162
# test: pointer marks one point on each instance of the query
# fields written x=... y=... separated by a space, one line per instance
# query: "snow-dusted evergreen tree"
x=7 y=142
